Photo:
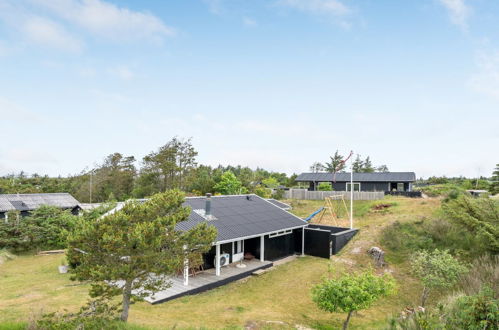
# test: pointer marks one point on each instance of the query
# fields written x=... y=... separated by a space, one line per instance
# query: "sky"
x=277 y=84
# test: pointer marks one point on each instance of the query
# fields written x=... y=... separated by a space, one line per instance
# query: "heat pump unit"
x=224 y=259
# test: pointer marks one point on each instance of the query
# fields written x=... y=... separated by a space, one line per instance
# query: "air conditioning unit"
x=224 y=259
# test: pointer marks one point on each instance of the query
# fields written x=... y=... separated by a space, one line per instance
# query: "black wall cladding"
x=317 y=243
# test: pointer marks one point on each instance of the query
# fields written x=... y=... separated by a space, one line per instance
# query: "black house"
x=378 y=181
x=24 y=203
x=252 y=233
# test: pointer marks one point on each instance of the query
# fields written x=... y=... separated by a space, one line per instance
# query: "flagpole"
x=351 y=195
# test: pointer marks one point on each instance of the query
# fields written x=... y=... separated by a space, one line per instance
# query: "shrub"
x=441 y=189
x=436 y=269
x=262 y=191
x=401 y=239
x=351 y=292
x=324 y=186
x=478 y=216
x=278 y=194
x=475 y=312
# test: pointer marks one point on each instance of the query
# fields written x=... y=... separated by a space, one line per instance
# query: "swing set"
x=334 y=206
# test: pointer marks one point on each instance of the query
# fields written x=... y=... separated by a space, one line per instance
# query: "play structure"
x=335 y=207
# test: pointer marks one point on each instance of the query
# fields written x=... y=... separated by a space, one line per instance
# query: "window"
x=239 y=247
x=280 y=233
x=356 y=186
x=400 y=186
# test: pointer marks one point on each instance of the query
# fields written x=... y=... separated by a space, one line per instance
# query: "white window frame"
x=354 y=183
x=239 y=247
x=281 y=233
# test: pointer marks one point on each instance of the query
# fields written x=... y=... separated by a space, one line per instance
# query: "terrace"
x=207 y=280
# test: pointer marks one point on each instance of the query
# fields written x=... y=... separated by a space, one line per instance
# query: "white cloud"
x=486 y=80
x=458 y=11
x=321 y=7
x=249 y=22
x=108 y=20
x=45 y=32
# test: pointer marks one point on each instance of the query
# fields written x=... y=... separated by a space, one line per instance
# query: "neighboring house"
x=24 y=203
x=252 y=233
x=378 y=181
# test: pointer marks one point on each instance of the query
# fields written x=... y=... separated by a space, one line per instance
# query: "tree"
x=382 y=168
x=125 y=247
x=351 y=292
x=436 y=269
x=317 y=167
x=479 y=216
x=367 y=166
x=229 y=185
x=336 y=164
x=48 y=227
x=494 y=186
x=270 y=182
x=200 y=180
x=358 y=164
x=168 y=167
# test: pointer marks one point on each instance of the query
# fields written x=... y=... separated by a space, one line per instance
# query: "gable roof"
x=358 y=177
x=239 y=216
x=236 y=216
x=29 y=202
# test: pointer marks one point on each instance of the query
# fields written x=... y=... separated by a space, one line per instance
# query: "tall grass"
x=404 y=238
x=5 y=255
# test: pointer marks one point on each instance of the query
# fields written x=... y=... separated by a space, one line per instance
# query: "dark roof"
x=240 y=216
x=277 y=203
x=28 y=202
x=359 y=177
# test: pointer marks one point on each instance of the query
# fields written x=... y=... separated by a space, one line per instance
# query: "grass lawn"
x=279 y=298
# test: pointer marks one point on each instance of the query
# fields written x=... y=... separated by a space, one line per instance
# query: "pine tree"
x=358 y=164
x=494 y=187
x=119 y=252
x=336 y=164
x=367 y=166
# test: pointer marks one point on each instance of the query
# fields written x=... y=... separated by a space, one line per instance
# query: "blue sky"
x=276 y=83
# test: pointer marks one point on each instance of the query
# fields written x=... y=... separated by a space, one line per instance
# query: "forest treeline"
x=174 y=165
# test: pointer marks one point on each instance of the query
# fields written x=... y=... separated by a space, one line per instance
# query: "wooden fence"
x=320 y=195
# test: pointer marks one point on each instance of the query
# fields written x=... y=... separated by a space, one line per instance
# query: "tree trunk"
x=127 y=293
x=424 y=296
x=345 y=324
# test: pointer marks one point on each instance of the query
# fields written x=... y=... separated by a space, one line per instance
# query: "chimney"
x=207 y=209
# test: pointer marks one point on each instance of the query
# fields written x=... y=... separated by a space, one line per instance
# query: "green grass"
x=31 y=285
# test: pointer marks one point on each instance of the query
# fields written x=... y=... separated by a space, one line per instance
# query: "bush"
x=478 y=216
x=401 y=239
x=325 y=186
x=262 y=191
x=351 y=292
x=436 y=269
x=45 y=228
x=471 y=312
x=278 y=194
x=441 y=189
x=476 y=312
